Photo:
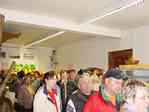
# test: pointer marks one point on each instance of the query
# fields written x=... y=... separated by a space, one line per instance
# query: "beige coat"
x=43 y=104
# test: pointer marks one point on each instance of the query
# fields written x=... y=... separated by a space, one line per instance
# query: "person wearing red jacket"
x=108 y=98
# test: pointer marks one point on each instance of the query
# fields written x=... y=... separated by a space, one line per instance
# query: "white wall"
x=141 y=43
x=91 y=52
x=41 y=57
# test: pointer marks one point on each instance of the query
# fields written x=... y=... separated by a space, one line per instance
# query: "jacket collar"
x=106 y=98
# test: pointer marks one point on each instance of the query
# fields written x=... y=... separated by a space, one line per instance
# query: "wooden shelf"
x=135 y=67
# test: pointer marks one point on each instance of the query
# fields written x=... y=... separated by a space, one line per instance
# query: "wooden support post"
x=1 y=27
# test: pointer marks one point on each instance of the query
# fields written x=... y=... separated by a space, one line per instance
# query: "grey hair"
x=84 y=75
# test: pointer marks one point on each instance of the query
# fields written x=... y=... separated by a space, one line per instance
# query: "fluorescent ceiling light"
x=44 y=39
x=114 y=11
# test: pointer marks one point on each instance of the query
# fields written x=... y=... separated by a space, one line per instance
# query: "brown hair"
x=49 y=75
x=130 y=88
x=62 y=71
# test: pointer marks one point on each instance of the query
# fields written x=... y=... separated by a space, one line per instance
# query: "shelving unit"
x=140 y=71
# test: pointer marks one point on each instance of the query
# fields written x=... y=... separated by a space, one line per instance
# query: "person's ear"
x=107 y=81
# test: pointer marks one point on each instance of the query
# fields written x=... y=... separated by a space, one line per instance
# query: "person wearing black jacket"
x=80 y=96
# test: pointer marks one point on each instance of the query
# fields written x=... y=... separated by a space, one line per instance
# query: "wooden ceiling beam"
x=9 y=35
x=4 y=36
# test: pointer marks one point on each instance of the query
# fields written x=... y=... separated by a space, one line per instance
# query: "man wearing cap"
x=107 y=99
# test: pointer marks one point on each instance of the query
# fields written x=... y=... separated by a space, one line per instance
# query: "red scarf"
x=53 y=99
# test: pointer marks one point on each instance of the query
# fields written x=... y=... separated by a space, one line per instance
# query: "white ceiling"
x=66 y=38
x=39 y=19
x=70 y=10
x=132 y=17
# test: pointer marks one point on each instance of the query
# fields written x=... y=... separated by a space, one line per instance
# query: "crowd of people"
x=86 y=90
